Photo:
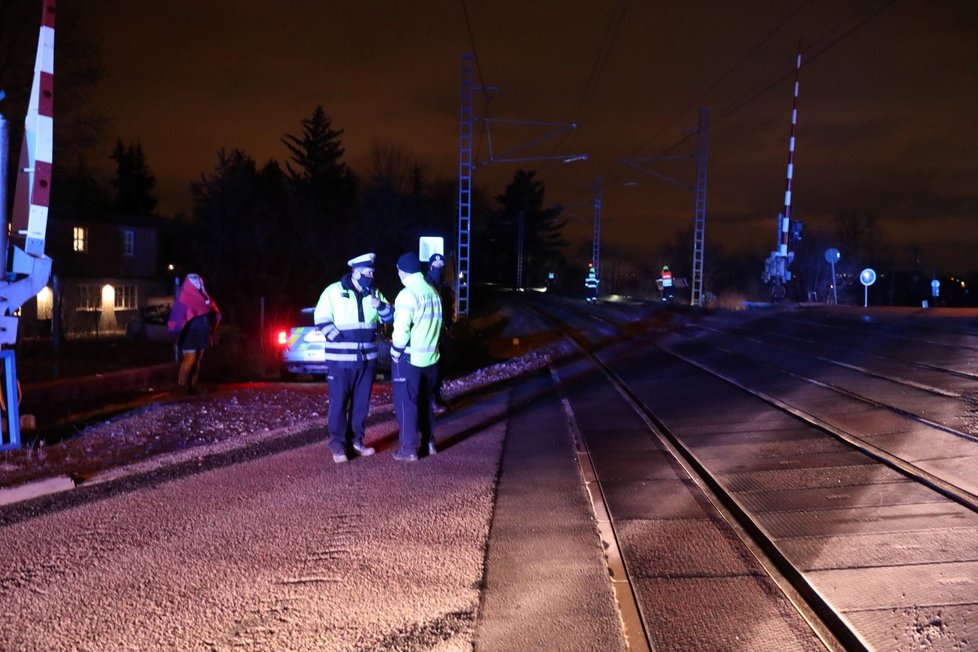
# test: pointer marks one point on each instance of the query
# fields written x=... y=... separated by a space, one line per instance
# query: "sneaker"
x=339 y=458
x=364 y=450
x=405 y=457
x=431 y=448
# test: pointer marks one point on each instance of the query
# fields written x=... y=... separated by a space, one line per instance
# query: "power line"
x=487 y=98
x=597 y=69
x=601 y=59
x=777 y=28
x=618 y=175
x=810 y=55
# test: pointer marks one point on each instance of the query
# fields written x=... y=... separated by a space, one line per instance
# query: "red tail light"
x=283 y=338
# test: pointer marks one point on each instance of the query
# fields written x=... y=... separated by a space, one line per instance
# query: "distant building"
x=108 y=269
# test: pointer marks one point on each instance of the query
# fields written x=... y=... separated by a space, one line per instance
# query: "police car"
x=304 y=348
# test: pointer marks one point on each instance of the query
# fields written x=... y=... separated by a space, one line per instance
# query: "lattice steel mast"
x=466 y=166
x=464 y=186
x=596 y=241
x=699 y=217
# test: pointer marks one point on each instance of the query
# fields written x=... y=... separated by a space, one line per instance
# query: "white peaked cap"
x=366 y=260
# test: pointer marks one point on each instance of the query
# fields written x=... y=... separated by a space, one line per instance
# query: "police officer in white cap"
x=348 y=313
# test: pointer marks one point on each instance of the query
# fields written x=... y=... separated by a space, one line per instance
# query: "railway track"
x=850 y=484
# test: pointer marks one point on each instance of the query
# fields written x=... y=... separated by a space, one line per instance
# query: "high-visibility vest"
x=417 y=321
x=666 y=278
x=349 y=321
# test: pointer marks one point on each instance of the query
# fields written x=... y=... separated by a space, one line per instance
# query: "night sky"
x=886 y=123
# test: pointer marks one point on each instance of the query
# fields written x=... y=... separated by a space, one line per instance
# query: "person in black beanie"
x=414 y=359
x=436 y=266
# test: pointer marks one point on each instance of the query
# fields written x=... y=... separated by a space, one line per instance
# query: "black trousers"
x=349 y=401
x=413 y=388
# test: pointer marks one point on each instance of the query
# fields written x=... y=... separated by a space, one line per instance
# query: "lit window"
x=125 y=297
x=79 y=239
x=108 y=298
x=89 y=298
x=128 y=243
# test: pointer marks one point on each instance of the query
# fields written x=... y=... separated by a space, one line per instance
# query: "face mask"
x=366 y=283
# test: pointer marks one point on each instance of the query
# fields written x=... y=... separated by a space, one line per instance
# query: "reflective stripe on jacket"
x=417 y=321
x=349 y=321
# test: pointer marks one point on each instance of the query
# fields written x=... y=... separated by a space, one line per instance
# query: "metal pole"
x=4 y=217
x=596 y=237
x=56 y=312
x=13 y=408
x=264 y=340
x=465 y=167
x=835 y=290
x=699 y=215
x=519 y=251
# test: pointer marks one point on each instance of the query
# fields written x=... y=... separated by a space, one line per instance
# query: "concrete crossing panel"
x=702 y=547
x=874 y=495
x=698 y=613
x=800 y=478
x=894 y=518
x=883 y=549
x=925 y=627
x=658 y=499
x=899 y=587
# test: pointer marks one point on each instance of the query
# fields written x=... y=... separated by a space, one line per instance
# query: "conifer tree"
x=133 y=182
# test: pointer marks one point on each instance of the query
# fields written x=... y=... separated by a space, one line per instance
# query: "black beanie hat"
x=409 y=263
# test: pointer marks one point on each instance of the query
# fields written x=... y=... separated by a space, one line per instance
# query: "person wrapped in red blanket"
x=192 y=324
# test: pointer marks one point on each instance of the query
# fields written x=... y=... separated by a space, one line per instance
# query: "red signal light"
x=282 y=338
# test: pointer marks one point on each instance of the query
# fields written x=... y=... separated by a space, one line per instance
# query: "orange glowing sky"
x=886 y=117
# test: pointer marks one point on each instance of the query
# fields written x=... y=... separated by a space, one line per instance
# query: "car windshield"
x=156 y=314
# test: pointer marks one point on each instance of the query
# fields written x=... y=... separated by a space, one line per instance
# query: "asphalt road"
x=287 y=550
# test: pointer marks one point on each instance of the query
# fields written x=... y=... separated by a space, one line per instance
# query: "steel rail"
x=891 y=336
x=910 y=383
x=854 y=395
x=904 y=467
x=831 y=627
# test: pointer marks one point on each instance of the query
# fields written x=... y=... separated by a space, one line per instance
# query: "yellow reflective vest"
x=417 y=322
x=349 y=321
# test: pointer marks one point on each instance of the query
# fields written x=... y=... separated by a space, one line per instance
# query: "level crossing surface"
x=502 y=538
x=855 y=490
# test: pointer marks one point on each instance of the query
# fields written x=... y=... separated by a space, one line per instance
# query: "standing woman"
x=192 y=324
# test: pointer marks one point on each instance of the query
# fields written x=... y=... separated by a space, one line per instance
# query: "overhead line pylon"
x=699 y=190
x=466 y=167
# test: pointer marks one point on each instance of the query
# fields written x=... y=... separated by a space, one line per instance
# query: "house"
x=105 y=270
